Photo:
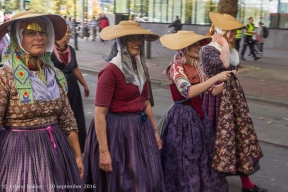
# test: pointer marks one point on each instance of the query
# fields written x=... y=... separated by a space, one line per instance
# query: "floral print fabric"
x=13 y=114
x=236 y=147
x=185 y=75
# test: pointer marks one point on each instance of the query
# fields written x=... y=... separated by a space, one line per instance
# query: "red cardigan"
x=113 y=92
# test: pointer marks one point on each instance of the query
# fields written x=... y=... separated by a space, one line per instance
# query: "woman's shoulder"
x=208 y=49
x=5 y=70
x=6 y=74
x=110 y=69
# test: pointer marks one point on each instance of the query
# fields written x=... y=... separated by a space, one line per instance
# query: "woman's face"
x=34 y=42
x=194 y=49
x=134 y=43
x=66 y=37
x=232 y=36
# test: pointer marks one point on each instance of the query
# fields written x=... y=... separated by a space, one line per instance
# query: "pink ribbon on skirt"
x=49 y=129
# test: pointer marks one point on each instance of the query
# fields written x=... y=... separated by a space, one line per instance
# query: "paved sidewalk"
x=264 y=80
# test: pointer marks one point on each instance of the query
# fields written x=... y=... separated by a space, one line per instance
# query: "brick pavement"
x=265 y=80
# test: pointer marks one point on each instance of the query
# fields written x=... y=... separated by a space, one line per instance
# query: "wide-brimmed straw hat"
x=225 y=22
x=125 y=28
x=182 y=39
x=59 y=24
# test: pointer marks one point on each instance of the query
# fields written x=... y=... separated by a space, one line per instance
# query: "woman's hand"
x=235 y=72
x=86 y=91
x=219 y=39
x=158 y=140
x=224 y=76
x=105 y=161
x=80 y=166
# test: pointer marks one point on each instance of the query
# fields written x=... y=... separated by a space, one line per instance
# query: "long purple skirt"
x=187 y=153
x=211 y=105
x=135 y=157
x=29 y=162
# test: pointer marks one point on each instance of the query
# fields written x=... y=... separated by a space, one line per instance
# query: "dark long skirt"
x=187 y=153
x=135 y=157
x=75 y=100
x=29 y=161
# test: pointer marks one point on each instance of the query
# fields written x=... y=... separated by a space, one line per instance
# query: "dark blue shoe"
x=255 y=189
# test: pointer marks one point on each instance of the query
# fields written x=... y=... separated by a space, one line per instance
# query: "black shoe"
x=256 y=58
x=255 y=189
x=242 y=58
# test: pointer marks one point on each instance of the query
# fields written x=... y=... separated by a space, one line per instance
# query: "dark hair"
x=177 y=17
x=250 y=18
x=261 y=23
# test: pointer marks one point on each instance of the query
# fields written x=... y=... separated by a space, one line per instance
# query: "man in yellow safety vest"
x=248 y=39
x=238 y=38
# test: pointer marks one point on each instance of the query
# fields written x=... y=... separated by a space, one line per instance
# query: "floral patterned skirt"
x=237 y=150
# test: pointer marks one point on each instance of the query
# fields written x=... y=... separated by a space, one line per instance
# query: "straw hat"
x=225 y=22
x=182 y=39
x=59 y=24
x=126 y=28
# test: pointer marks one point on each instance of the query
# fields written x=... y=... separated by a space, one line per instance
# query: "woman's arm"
x=197 y=89
x=78 y=74
x=74 y=143
x=101 y=134
x=184 y=86
x=149 y=113
x=225 y=54
x=217 y=89
x=67 y=123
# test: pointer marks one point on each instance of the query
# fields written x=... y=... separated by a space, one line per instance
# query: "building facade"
x=273 y=13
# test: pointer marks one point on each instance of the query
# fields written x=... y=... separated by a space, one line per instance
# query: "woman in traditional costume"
x=237 y=150
x=187 y=135
x=64 y=58
x=39 y=148
x=122 y=146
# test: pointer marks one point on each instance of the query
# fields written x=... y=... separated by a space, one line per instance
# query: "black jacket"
x=176 y=24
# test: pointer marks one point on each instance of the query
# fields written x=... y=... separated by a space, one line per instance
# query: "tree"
x=210 y=6
x=228 y=6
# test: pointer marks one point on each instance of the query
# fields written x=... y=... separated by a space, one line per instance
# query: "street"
x=270 y=122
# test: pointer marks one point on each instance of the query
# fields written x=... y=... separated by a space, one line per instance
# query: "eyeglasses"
x=135 y=38
x=32 y=33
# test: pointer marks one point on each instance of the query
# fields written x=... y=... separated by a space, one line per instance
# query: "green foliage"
x=12 y=5
x=38 y=6
x=53 y=6
x=188 y=11
x=210 y=6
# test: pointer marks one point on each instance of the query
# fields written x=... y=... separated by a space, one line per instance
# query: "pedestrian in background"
x=260 y=33
x=86 y=31
x=176 y=25
x=122 y=145
x=187 y=135
x=35 y=115
x=3 y=43
x=92 y=26
x=103 y=22
x=248 y=40
x=219 y=56
x=64 y=58
x=238 y=38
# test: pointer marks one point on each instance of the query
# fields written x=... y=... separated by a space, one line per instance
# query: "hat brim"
x=225 y=22
x=183 y=39
x=59 y=24
x=126 y=28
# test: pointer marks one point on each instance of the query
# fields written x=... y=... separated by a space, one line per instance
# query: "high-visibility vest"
x=239 y=34
x=250 y=29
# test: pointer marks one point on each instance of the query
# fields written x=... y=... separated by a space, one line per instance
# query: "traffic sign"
x=63 y=9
